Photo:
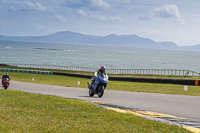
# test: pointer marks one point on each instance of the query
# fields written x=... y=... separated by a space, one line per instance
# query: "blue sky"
x=172 y=20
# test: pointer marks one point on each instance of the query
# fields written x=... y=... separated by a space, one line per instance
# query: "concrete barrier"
x=72 y=74
x=25 y=71
x=158 y=80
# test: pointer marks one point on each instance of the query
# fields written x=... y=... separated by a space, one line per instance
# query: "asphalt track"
x=176 y=105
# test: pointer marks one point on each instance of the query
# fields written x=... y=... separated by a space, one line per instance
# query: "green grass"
x=26 y=112
x=112 y=85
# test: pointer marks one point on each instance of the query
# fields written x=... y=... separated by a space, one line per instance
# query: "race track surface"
x=176 y=105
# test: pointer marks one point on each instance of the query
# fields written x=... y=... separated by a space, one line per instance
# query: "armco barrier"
x=136 y=79
x=158 y=80
x=72 y=74
x=25 y=71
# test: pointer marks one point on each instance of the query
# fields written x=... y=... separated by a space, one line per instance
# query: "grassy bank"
x=112 y=85
x=26 y=112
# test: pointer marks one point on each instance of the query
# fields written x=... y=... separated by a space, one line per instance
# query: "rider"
x=4 y=77
x=100 y=71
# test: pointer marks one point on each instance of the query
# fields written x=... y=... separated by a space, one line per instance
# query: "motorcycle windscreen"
x=103 y=78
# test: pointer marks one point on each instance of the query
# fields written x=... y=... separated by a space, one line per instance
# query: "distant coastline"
x=68 y=37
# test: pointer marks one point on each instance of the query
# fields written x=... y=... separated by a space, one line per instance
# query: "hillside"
x=68 y=37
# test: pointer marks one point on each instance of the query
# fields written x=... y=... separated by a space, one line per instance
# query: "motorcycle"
x=6 y=83
x=102 y=82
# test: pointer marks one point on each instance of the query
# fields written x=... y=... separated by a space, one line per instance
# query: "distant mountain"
x=68 y=37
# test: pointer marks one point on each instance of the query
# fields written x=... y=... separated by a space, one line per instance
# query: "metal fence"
x=170 y=72
x=51 y=67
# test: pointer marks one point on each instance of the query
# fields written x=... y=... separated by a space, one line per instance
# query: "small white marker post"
x=185 y=88
x=33 y=79
x=78 y=83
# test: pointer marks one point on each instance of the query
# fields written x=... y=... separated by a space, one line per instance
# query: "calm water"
x=95 y=56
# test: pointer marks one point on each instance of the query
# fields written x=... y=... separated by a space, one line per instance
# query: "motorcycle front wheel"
x=91 y=94
x=5 y=86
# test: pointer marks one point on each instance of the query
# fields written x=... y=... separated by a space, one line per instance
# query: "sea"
x=94 y=56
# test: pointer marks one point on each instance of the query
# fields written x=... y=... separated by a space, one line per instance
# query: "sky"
x=175 y=21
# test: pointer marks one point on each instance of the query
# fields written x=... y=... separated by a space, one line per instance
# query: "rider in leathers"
x=96 y=74
x=4 y=77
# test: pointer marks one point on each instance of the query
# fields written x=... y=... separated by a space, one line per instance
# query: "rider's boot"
x=89 y=86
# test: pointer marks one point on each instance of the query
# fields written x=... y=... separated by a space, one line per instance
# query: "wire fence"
x=171 y=72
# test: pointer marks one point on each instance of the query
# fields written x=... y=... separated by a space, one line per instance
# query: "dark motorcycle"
x=6 y=83
x=102 y=80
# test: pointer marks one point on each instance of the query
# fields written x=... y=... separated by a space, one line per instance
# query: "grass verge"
x=26 y=112
x=112 y=85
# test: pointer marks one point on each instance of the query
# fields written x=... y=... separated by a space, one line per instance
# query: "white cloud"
x=60 y=18
x=99 y=17
x=89 y=4
x=101 y=3
x=38 y=27
x=106 y=18
x=14 y=9
x=82 y=13
x=127 y=1
x=40 y=7
x=169 y=11
x=35 y=6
